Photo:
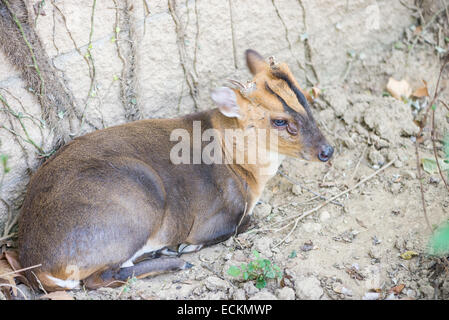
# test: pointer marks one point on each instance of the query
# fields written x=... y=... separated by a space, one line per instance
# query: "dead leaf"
x=399 y=89
x=7 y=275
x=421 y=92
x=57 y=295
x=417 y=30
x=13 y=259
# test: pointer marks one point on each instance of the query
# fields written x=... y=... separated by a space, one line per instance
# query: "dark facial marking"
x=301 y=98
x=292 y=128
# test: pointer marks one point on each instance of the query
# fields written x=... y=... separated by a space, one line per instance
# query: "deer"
x=111 y=205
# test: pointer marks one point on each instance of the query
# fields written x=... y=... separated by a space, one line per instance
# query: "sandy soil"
x=350 y=250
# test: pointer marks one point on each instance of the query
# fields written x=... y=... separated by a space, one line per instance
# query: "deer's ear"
x=226 y=101
x=255 y=61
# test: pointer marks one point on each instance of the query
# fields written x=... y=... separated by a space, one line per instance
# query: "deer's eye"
x=279 y=122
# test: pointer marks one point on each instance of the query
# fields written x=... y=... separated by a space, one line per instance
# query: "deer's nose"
x=325 y=153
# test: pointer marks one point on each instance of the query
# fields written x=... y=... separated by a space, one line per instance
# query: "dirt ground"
x=348 y=250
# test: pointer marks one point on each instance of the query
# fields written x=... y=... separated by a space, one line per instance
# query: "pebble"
x=375 y=252
x=214 y=283
x=240 y=256
x=308 y=288
x=239 y=294
x=250 y=288
x=262 y=211
x=396 y=188
x=296 y=190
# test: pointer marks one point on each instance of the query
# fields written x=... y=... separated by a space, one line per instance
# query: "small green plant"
x=258 y=270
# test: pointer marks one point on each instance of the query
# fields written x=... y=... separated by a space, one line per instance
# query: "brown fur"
x=105 y=195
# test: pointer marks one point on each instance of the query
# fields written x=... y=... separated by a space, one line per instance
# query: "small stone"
x=376 y=158
x=285 y=293
x=262 y=211
x=239 y=294
x=296 y=190
x=263 y=295
x=214 y=283
x=308 y=288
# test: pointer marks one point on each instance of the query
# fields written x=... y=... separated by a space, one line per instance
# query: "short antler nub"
x=244 y=88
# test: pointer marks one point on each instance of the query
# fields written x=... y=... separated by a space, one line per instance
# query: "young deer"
x=111 y=205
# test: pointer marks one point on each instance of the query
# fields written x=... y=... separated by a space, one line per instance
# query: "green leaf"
x=430 y=165
x=256 y=254
x=293 y=254
x=439 y=242
x=270 y=274
x=234 y=271
x=245 y=275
